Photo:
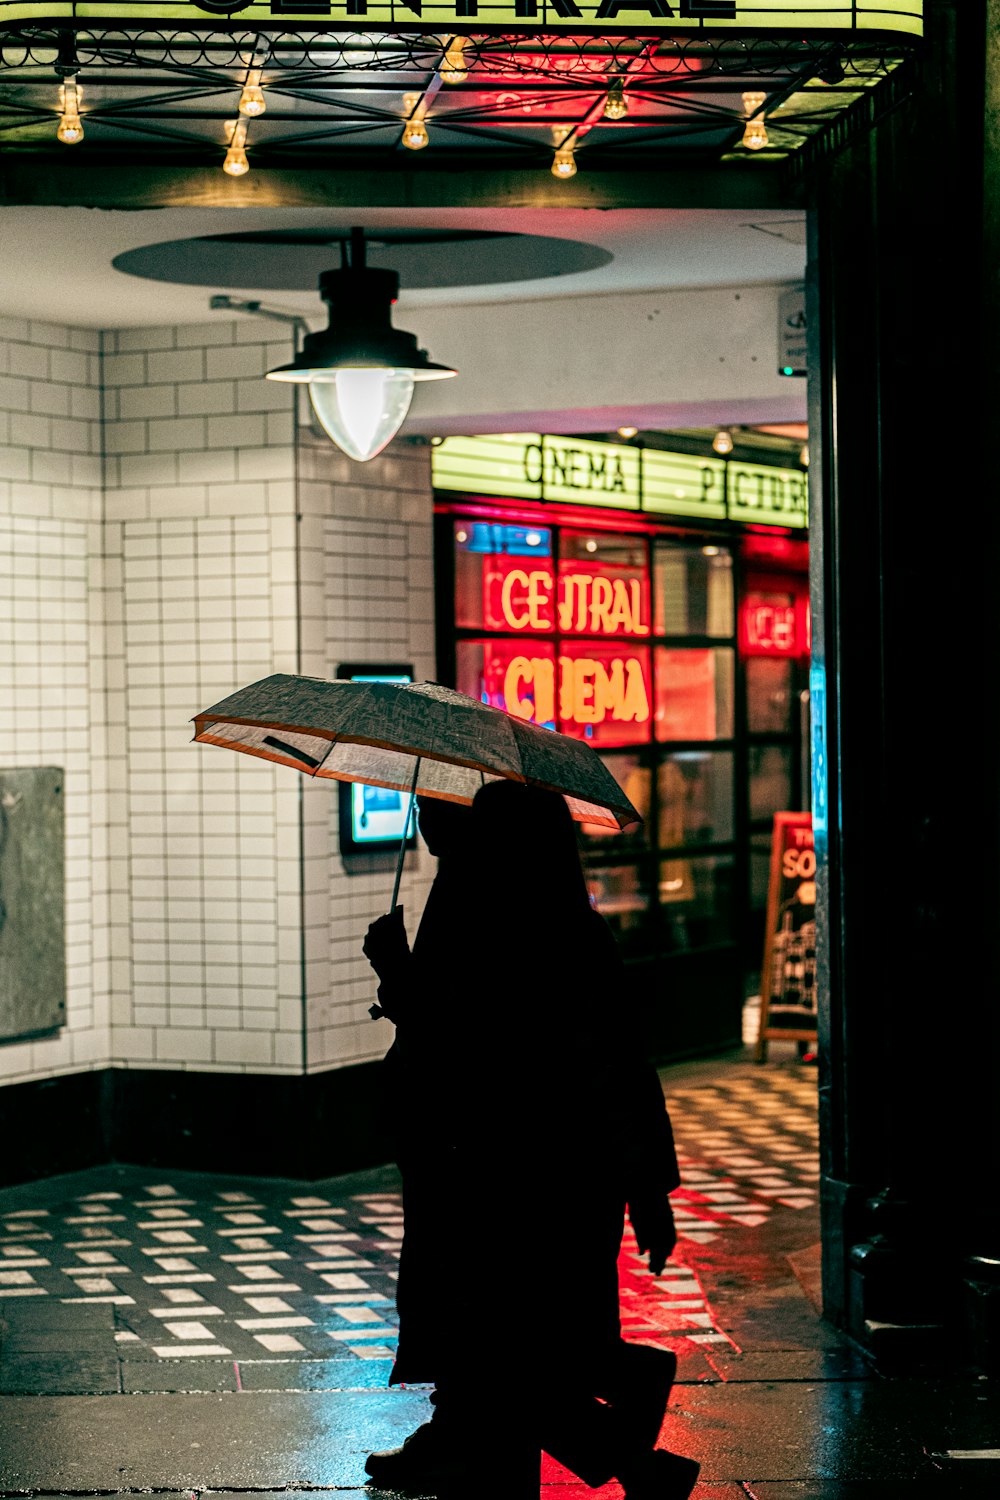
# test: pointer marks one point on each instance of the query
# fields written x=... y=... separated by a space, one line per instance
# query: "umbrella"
x=415 y=737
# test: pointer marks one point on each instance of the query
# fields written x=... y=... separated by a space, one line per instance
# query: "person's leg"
x=478 y=1442
x=638 y=1386
x=593 y=1440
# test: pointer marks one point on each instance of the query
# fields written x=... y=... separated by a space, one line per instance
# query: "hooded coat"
x=525 y=1114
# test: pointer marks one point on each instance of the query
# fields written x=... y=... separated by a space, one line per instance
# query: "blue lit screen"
x=500 y=539
x=377 y=813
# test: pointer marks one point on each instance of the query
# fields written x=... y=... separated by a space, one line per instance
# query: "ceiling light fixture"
x=70 y=130
x=563 y=158
x=360 y=370
x=616 y=105
x=723 y=441
x=453 y=69
x=236 y=163
x=252 y=101
x=755 y=130
x=415 y=135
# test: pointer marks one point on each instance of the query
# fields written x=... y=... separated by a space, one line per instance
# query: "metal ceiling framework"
x=342 y=99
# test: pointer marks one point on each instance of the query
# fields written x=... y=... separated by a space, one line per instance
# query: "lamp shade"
x=362 y=409
x=360 y=369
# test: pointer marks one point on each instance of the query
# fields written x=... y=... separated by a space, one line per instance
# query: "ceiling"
x=58 y=261
x=345 y=99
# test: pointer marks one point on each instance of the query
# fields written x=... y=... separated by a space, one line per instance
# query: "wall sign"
x=584 y=601
x=617 y=17
x=577 y=471
x=788 y=977
x=602 y=694
x=793 y=348
x=372 y=818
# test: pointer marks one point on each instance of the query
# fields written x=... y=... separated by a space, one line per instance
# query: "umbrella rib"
x=276 y=744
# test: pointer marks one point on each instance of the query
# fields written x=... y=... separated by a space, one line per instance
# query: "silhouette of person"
x=546 y=1123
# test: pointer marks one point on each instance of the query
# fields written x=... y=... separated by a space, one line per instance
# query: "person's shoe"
x=664 y=1476
x=424 y=1463
x=641 y=1390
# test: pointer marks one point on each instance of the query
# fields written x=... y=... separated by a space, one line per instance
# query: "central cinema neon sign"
x=590 y=690
x=586 y=601
x=586 y=686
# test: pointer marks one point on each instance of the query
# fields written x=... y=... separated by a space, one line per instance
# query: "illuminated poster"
x=373 y=817
x=788 y=977
x=618 y=17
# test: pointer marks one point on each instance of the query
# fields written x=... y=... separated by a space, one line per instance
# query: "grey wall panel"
x=32 y=902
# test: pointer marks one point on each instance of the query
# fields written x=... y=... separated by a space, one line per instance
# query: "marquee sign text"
x=619 y=17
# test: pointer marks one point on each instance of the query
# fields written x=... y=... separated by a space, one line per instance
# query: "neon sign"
x=774 y=624
x=584 y=600
x=620 y=17
x=590 y=691
x=577 y=471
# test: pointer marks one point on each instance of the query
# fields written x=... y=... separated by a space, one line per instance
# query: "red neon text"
x=583 y=601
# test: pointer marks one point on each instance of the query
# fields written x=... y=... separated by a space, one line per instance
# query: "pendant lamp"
x=360 y=370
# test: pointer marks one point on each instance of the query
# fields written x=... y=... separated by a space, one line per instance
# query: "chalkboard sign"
x=788 y=977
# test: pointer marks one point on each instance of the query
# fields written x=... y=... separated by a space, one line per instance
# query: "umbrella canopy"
x=408 y=736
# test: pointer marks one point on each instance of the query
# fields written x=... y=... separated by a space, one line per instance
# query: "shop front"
x=654 y=603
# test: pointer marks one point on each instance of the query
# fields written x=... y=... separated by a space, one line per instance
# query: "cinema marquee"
x=620 y=17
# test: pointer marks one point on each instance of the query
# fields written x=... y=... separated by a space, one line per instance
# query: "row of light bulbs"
x=722 y=443
x=415 y=134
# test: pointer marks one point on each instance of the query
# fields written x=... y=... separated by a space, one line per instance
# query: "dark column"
x=905 y=261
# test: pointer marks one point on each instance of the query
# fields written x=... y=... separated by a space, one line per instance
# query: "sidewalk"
x=180 y=1333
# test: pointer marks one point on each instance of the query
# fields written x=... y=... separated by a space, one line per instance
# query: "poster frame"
x=767 y=1033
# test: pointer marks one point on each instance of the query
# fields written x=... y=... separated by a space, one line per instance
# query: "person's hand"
x=653 y=1222
x=385 y=945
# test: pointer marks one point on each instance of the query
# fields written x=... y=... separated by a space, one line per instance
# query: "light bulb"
x=453 y=69
x=755 y=131
x=70 y=129
x=362 y=409
x=723 y=441
x=564 y=163
x=236 y=163
x=415 y=135
x=252 y=101
x=804 y=456
x=616 y=105
x=627 y=432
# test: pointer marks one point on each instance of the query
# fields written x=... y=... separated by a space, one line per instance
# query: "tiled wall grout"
x=201 y=549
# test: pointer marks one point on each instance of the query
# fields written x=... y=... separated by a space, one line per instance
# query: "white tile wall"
x=366 y=588
x=200 y=489
x=163 y=541
x=51 y=707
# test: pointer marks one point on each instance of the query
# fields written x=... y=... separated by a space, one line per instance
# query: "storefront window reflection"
x=694 y=693
x=770 y=781
x=636 y=642
x=769 y=694
x=693 y=590
x=696 y=798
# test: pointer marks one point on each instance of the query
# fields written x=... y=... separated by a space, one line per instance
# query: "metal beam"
x=30 y=180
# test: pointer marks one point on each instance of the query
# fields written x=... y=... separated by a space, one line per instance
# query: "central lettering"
x=585 y=603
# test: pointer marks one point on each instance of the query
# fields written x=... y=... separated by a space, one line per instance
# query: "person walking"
x=547 y=1123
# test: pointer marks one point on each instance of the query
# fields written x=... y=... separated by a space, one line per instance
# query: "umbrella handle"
x=406 y=830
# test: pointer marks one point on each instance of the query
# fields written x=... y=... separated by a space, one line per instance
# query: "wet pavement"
x=185 y=1334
